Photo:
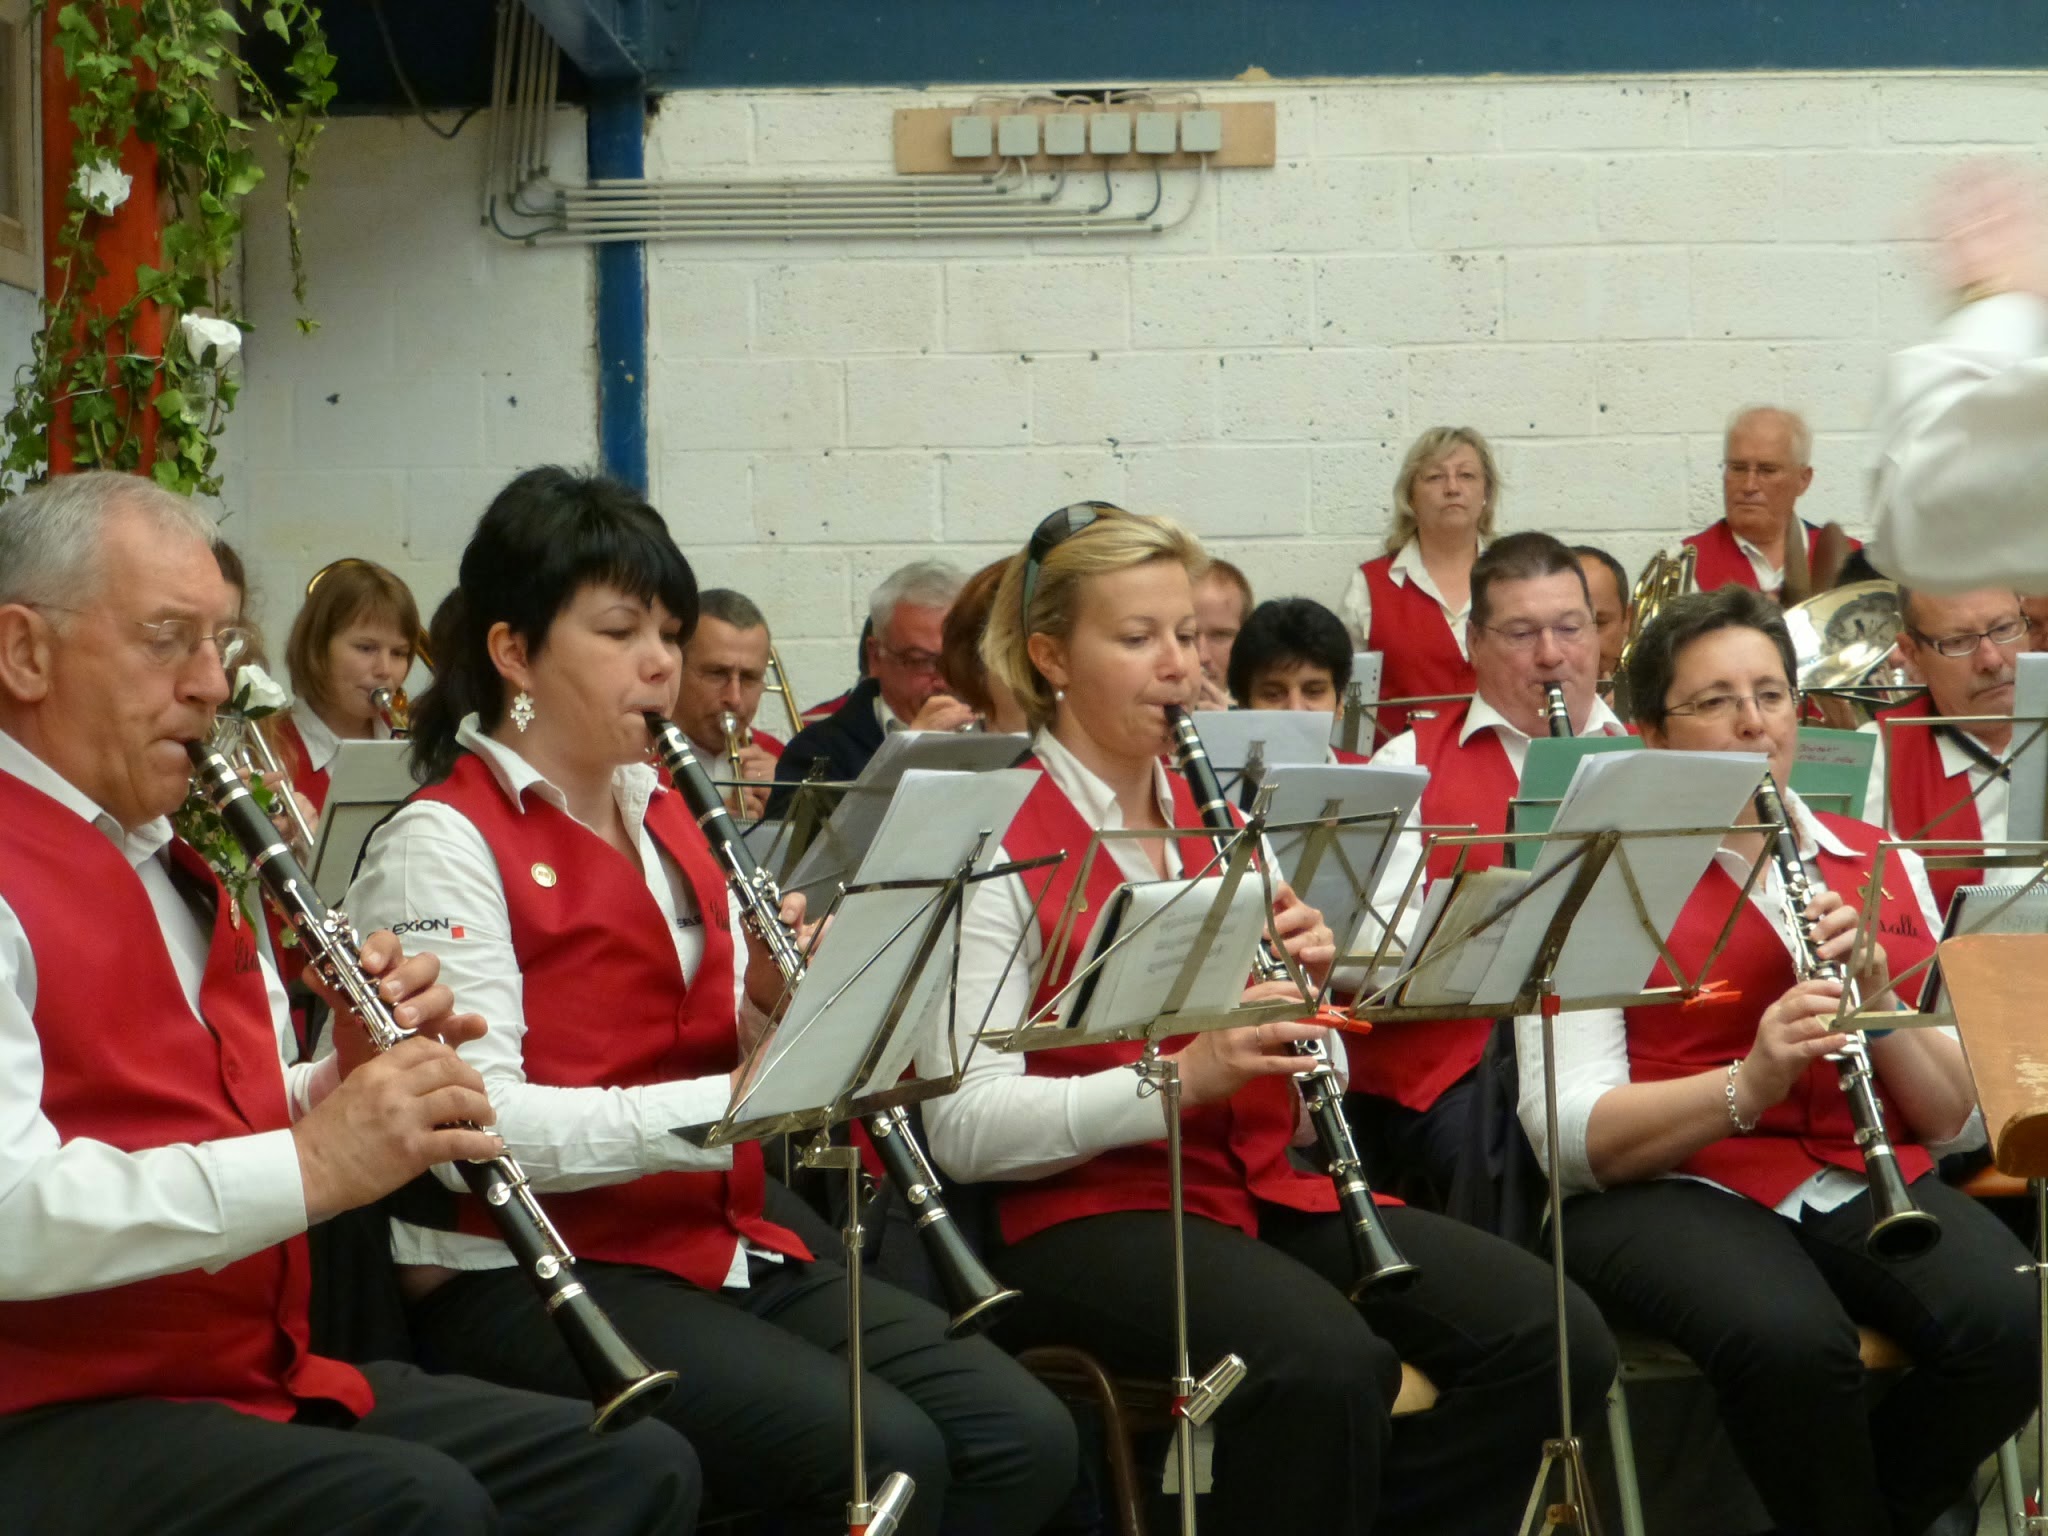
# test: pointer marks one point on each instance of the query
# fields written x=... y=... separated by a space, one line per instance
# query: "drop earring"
x=522 y=710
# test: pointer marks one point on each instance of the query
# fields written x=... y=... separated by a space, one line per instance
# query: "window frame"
x=21 y=263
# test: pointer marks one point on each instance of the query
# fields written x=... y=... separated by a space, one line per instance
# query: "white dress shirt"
x=321 y=742
x=429 y=868
x=1961 y=493
x=1004 y=1123
x=1406 y=853
x=1408 y=566
x=1769 y=576
x=79 y=1215
x=1991 y=790
x=1592 y=1043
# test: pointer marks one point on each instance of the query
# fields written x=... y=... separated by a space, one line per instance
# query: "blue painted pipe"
x=617 y=149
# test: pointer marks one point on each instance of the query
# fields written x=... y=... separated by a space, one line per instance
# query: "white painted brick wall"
x=1594 y=272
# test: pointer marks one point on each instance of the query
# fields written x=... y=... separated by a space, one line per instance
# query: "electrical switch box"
x=1158 y=133
x=1017 y=135
x=1109 y=133
x=1066 y=133
x=1201 y=133
x=974 y=137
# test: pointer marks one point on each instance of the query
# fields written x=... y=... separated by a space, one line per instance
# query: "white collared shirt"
x=321 y=742
x=1003 y=1123
x=1408 y=566
x=1992 y=792
x=79 y=1215
x=429 y=869
x=1961 y=478
x=1407 y=850
x=1769 y=577
x=1592 y=1043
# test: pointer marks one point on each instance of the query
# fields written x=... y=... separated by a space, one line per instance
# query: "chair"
x=1131 y=1406
x=1644 y=1357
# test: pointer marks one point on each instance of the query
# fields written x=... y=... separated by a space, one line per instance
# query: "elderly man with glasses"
x=1531 y=627
x=1939 y=770
x=903 y=690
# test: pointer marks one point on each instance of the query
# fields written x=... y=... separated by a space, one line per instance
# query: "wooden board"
x=924 y=139
x=1993 y=982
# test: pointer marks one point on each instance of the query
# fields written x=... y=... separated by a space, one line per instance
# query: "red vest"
x=769 y=744
x=1924 y=801
x=1412 y=1062
x=606 y=1006
x=126 y=1063
x=1812 y=1128
x=1232 y=1154
x=1721 y=560
x=298 y=766
x=1418 y=653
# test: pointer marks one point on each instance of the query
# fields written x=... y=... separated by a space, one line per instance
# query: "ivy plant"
x=171 y=73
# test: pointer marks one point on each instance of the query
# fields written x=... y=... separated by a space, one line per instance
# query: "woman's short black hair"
x=544 y=538
x=1288 y=631
x=1681 y=621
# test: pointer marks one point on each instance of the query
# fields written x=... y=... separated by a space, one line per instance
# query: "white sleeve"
x=81 y=1215
x=1004 y=1123
x=429 y=869
x=1961 y=493
x=1356 y=606
x=1592 y=1058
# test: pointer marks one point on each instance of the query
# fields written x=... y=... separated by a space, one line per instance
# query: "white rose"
x=203 y=331
x=103 y=185
x=256 y=692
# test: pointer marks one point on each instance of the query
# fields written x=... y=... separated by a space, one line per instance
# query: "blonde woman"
x=1093 y=629
x=353 y=636
x=1410 y=604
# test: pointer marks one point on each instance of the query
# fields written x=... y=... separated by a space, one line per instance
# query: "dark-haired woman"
x=585 y=918
x=1094 y=643
x=1720 y=1197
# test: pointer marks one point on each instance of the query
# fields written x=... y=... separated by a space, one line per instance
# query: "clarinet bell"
x=1901 y=1232
x=624 y=1389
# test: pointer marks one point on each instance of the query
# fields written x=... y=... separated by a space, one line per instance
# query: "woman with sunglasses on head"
x=1719 y=1197
x=353 y=635
x=589 y=923
x=1093 y=631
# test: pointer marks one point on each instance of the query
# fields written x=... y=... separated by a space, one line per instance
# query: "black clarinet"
x=623 y=1387
x=1554 y=710
x=1898 y=1228
x=974 y=1296
x=1380 y=1262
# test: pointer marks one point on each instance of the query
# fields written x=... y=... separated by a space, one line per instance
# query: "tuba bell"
x=1665 y=577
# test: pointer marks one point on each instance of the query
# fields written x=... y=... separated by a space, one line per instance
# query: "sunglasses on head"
x=1055 y=530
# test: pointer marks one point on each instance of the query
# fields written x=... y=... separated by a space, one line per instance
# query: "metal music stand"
x=1591 y=857
x=1194 y=1400
x=1992 y=980
x=931 y=916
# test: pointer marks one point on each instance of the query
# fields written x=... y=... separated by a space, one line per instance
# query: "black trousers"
x=438 y=1456
x=1768 y=1308
x=1306 y=1442
x=1414 y=1153
x=762 y=1393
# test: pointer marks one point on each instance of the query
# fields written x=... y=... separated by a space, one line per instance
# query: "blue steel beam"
x=606 y=39
x=617 y=149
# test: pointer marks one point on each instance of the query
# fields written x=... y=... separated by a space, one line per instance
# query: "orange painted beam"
x=130 y=237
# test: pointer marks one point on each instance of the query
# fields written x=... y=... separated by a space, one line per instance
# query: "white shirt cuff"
x=1108 y=1112
x=666 y=1106
x=262 y=1191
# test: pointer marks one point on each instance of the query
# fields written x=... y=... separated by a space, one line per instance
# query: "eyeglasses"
x=1740 y=469
x=910 y=660
x=1049 y=535
x=1523 y=637
x=173 y=642
x=1771 y=699
x=2006 y=632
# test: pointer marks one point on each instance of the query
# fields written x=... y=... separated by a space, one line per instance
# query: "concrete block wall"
x=1594 y=273
x=446 y=359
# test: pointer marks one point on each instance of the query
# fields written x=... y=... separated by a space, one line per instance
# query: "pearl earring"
x=522 y=710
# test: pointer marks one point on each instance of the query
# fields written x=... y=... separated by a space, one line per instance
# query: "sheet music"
x=1290 y=736
x=1342 y=883
x=1607 y=952
x=366 y=782
x=2025 y=818
x=1155 y=935
x=846 y=836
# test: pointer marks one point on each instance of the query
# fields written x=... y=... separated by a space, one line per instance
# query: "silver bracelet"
x=1742 y=1127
